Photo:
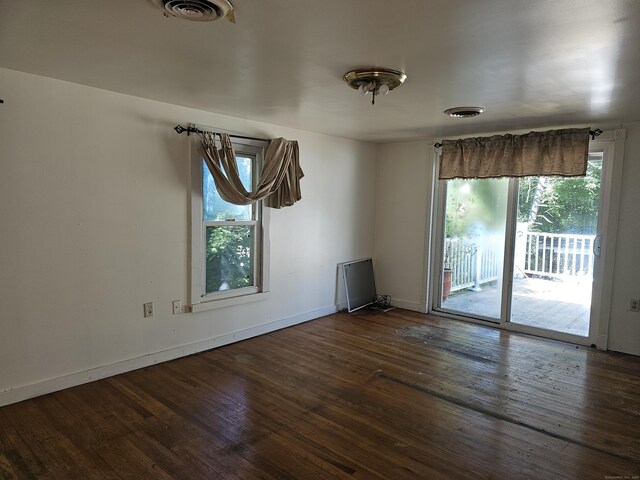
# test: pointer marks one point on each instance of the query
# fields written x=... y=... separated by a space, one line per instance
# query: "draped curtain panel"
x=556 y=152
x=279 y=182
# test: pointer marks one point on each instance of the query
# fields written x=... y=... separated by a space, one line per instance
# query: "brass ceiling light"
x=377 y=81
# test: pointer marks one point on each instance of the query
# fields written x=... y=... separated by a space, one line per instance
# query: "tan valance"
x=556 y=152
x=279 y=182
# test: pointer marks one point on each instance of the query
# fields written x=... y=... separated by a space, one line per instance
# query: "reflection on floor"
x=562 y=306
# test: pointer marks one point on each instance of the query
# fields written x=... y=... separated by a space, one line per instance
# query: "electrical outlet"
x=148 y=310
x=177 y=307
x=634 y=305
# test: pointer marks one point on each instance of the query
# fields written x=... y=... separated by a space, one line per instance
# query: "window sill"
x=229 y=302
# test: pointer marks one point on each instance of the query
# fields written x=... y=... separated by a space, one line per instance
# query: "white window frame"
x=200 y=299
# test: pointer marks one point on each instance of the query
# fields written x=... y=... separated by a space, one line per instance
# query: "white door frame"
x=611 y=143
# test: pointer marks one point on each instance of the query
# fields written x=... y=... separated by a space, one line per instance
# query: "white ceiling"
x=531 y=63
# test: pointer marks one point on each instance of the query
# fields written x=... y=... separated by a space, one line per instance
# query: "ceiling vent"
x=464 y=112
x=197 y=10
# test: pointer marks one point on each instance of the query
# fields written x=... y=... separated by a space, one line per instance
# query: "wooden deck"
x=398 y=395
x=553 y=305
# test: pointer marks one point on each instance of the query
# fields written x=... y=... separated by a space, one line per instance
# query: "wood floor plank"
x=375 y=396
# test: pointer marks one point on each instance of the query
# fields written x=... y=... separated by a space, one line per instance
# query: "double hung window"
x=228 y=241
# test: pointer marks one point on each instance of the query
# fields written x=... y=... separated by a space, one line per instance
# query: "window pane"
x=230 y=257
x=554 y=259
x=215 y=208
x=475 y=222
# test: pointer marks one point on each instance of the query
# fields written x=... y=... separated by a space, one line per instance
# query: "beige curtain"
x=280 y=179
x=556 y=152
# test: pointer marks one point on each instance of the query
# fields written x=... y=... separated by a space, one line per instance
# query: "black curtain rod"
x=180 y=129
x=594 y=133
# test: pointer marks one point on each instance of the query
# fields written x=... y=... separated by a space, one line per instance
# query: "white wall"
x=93 y=206
x=403 y=203
x=624 y=330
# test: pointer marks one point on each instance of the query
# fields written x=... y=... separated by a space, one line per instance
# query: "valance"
x=555 y=152
x=279 y=182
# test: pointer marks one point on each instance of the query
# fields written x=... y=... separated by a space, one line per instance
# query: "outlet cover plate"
x=177 y=307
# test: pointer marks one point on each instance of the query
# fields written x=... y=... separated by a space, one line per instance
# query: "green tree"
x=229 y=262
x=473 y=204
x=559 y=204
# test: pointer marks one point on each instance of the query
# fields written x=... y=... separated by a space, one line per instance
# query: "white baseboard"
x=601 y=341
x=409 y=305
x=25 y=392
x=397 y=302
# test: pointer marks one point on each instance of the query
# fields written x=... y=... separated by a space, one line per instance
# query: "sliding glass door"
x=521 y=252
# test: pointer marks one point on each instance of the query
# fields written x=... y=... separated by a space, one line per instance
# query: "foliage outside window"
x=561 y=204
x=475 y=215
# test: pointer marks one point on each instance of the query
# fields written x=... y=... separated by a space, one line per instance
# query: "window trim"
x=200 y=300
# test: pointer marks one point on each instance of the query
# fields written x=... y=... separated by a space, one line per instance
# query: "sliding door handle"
x=597 y=244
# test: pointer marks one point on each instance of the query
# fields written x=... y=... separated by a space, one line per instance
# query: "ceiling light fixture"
x=464 y=112
x=377 y=81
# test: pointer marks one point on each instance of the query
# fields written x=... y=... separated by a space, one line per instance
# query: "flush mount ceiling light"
x=197 y=10
x=377 y=81
x=464 y=112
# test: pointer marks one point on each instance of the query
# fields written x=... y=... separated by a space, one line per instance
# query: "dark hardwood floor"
x=388 y=396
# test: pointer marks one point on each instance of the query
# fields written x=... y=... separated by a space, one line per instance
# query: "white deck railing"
x=558 y=255
x=471 y=265
x=537 y=253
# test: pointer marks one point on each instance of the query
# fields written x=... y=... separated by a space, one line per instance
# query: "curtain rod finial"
x=180 y=129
